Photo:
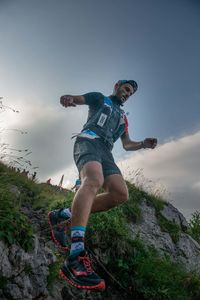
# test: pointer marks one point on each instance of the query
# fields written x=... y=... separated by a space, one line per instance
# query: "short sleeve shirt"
x=94 y=100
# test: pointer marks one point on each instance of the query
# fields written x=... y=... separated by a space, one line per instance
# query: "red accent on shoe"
x=99 y=287
x=87 y=264
x=63 y=248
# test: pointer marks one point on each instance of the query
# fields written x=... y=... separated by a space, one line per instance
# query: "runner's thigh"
x=116 y=184
x=85 y=150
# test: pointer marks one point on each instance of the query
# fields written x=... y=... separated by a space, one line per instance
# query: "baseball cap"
x=133 y=83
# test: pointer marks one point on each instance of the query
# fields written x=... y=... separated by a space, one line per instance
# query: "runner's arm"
x=70 y=100
x=130 y=145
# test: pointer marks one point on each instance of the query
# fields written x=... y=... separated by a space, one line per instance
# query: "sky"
x=51 y=48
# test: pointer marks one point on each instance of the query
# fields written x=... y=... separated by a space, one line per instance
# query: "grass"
x=14 y=225
x=194 y=226
x=173 y=229
x=54 y=273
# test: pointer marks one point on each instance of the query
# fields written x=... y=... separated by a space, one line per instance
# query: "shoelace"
x=67 y=224
x=87 y=264
x=64 y=225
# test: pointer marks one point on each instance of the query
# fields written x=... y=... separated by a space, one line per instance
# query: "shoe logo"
x=79 y=273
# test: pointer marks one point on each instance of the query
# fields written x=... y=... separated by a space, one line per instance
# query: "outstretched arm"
x=69 y=100
x=130 y=145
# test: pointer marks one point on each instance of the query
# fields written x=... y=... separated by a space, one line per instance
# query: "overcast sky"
x=50 y=48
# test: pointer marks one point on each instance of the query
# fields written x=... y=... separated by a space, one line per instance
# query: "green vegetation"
x=53 y=272
x=140 y=271
x=173 y=229
x=3 y=281
x=17 y=190
x=14 y=226
x=132 y=210
x=194 y=226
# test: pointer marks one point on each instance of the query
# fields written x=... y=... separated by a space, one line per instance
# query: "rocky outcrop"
x=185 y=250
x=24 y=275
x=170 y=213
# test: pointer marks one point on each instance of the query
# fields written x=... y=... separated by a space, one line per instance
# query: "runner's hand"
x=150 y=143
x=67 y=100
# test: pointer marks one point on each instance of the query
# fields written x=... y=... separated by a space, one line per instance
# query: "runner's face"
x=124 y=92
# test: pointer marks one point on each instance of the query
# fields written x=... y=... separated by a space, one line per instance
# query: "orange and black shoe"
x=59 y=227
x=77 y=270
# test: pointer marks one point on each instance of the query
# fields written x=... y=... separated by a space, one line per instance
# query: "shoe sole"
x=56 y=242
x=99 y=287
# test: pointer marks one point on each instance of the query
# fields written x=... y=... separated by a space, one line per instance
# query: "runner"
x=77 y=185
x=92 y=154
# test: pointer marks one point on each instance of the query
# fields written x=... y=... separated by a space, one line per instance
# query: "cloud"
x=174 y=167
x=196 y=186
x=49 y=135
x=70 y=175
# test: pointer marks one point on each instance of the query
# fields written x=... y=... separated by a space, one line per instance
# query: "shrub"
x=173 y=229
x=194 y=226
x=14 y=226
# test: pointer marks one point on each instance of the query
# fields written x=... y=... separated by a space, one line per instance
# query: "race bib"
x=102 y=120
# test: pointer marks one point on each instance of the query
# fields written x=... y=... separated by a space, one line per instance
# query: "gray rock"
x=27 y=272
x=5 y=265
x=14 y=189
x=24 y=283
x=149 y=231
x=188 y=253
x=185 y=252
x=12 y=291
x=172 y=214
x=19 y=259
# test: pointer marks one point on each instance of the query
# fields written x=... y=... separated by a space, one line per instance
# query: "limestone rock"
x=185 y=251
x=172 y=214
x=25 y=273
x=5 y=265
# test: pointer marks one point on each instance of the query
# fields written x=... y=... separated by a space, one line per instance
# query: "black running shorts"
x=86 y=150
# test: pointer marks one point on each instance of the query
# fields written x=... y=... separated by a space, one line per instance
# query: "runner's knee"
x=94 y=183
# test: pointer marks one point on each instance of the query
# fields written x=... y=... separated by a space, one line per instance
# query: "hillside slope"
x=141 y=248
